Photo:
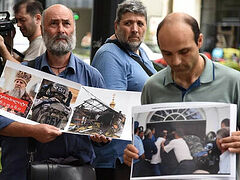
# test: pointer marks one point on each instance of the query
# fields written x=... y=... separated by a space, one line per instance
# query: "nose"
x=134 y=27
x=176 y=60
x=19 y=24
x=60 y=28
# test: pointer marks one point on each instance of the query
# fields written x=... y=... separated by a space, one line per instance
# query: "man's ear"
x=115 y=26
x=38 y=18
x=200 y=40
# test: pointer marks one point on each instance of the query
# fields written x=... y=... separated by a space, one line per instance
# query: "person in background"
x=28 y=14
x=141 y=132
x=149 y=150
x=153 y=132
x=115 y=61
x=86 y=40
x=225 y=123
x=59 y=34
x=189 y=76
x=182 y=152
x=139 y=145
x=156 y=158
x=224 y=160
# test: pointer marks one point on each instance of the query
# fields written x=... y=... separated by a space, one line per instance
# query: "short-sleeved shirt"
x=119 y=70
x=35 y=49
x=14 y=150
x=139 y=145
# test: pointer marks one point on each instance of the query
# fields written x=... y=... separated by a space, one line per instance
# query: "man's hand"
x=231 y=143
x=4 y=51
x=130 y=153
x=45 y=133
x=100 y=138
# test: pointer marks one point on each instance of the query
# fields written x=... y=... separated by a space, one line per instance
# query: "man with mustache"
x=19 y=91
x=28 y=16
x=58 y=29
x=121 y=71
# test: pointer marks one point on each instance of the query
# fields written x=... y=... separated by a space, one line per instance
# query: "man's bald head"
x=58 y=29
x=56 y=8
x=179 y=18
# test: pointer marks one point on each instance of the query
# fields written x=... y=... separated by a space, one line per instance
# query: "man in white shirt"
x=186 y=164
x=156 y=158
x=28 y=16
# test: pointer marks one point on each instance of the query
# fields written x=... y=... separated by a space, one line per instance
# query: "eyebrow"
x=60 y=20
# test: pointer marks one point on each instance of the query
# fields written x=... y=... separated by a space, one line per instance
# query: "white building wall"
x=191 y=7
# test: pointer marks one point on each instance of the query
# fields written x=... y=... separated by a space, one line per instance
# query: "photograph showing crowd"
x=180 y=142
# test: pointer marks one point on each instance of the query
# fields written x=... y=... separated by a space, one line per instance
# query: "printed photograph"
x=30 y=96
x=17 y=91
x=93 y=115
x=52 y=104
x=104 y=111
x=178 y=141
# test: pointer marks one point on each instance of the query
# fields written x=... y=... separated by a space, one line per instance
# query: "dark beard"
x=129 y=47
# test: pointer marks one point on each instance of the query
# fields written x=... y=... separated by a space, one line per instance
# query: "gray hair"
x=223 y=132
x=147 y=132
x=132 y=6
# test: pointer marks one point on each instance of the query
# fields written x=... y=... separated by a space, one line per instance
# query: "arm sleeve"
x=112 y=70
x=154 y=148
x=5 y=122
x=168 y=147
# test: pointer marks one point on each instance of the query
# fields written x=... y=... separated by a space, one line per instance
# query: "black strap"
x=115 y=41
x=15 y=51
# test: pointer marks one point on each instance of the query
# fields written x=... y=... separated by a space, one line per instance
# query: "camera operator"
x=28 y=17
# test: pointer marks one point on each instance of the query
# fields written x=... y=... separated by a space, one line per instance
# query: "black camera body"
x=6 y=25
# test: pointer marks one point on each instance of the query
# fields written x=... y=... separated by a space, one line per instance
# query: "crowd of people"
x=173 y=153
x=120 y=64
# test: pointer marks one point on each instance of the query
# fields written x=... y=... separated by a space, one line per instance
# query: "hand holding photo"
x=183 y=141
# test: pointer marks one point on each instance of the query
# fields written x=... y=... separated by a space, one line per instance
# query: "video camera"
x=6 y=25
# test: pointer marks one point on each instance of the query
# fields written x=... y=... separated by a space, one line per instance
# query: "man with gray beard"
x=19 y=91
x=58 y=31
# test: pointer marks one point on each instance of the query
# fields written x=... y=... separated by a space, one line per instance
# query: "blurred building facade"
x=219 y=19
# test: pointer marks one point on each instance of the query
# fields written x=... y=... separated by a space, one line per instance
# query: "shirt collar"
x=207 y=75
x=44 y=66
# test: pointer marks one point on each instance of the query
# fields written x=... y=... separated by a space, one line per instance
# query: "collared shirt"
x=218 y=83
x=119 y=70
x=14 y=150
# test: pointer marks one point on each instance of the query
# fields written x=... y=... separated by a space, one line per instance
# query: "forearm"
x=41 y=132
x=6 y=54
x=17 y=129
